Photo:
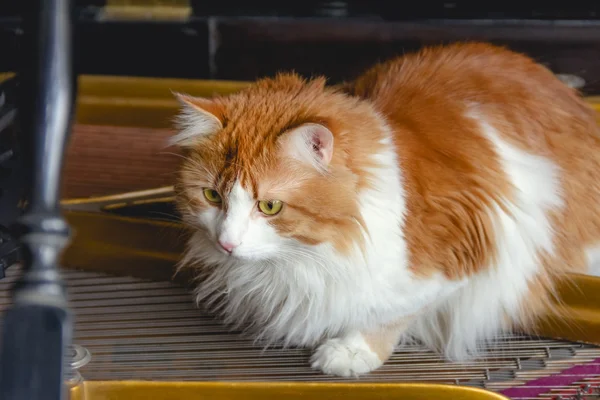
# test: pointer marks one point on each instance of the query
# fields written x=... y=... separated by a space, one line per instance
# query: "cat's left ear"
x=198 y=117
x=310 y=143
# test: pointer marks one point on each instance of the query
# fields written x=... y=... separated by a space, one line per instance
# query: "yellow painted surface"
x=146 y=10
x=579 y=317
x=143 y=390
x=123 y=246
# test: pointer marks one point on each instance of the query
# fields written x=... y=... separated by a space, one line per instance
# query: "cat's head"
x=274 y=169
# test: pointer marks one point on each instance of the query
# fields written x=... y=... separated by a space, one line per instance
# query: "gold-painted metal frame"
x=145 y=10
x=143 y=390
x=136 y=101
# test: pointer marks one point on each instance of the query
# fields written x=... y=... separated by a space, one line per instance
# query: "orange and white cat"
x=439 y=197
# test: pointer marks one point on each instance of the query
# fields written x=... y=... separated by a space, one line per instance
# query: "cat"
x=439 y=196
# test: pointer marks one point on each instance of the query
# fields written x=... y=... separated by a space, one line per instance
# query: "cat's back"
x=475 y=124
x=448 y=99
x=457 y=66
x=462 y=75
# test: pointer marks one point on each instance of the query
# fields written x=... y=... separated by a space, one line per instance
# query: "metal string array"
x=138 y=329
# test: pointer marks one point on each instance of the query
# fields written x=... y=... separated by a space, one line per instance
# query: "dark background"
x=245 y=40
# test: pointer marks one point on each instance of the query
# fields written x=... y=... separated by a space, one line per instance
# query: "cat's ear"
x=197 y=118
x=310 y=143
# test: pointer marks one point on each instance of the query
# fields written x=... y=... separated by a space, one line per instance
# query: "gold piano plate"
x=137 y=390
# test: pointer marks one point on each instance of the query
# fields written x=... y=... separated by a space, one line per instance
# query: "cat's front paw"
x=345 y=357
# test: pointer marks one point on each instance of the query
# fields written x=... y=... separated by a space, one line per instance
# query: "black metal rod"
x=53 y=84
x=38 y=327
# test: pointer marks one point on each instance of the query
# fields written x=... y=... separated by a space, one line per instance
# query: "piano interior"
x=138 y=334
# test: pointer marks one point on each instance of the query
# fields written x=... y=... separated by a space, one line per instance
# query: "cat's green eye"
x=212 y=196
x=271 y=207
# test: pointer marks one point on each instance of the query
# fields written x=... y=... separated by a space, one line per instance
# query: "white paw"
x=345 y=357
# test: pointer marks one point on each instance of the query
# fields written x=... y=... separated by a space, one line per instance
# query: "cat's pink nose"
x=227 y=246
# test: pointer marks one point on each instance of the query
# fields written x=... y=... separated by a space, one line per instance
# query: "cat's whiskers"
x=170 y=153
